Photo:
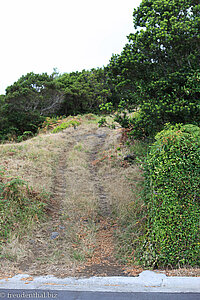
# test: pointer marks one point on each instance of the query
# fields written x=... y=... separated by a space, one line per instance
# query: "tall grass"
x=19 y=206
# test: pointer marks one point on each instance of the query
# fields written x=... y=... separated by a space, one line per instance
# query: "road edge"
x=147 y=281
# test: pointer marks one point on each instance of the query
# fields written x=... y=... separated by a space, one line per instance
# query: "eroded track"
x=78 y=238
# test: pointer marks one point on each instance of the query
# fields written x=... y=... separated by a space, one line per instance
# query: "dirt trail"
x=59 y=185
x=103 y=261
x=87 y=184
x=78 y=238
x=103 y=203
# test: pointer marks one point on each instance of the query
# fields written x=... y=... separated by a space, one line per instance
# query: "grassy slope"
x=84 y=237
x=37 y=161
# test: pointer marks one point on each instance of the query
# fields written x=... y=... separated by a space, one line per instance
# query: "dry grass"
x=120 y=179
x=38 y=161
x=33 y=160
x=15 y=250
x=80 y=198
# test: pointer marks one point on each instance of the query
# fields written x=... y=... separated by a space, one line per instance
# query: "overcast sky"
x=70 y=35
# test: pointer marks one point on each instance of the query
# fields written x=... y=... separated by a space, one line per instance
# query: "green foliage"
x=19 y=205
x=64 y=125
x=102 y=122
x=158 y=70
x=26 y=135
x=51 y=123
x=35 y=96
x=122 y=119
x=139 y=148
x=84 y=91
x=3 y=118
x=26 y=103
x=34 y=93
x=172 y=188
x=120 y=113
x=106 y=108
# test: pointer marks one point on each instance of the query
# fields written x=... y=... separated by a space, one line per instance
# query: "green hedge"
x=172 y=184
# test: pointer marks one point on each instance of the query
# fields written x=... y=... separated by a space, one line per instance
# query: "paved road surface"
x=80 y=295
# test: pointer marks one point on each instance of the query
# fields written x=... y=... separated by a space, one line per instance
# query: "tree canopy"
x=34 y=96
x=157 y=73
x=84 y=91
x=158 y=69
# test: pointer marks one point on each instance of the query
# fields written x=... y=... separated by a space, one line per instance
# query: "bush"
x=102 y=122
x=25 y=136
x=143 y=125
x=65 y=125
x=172 y=186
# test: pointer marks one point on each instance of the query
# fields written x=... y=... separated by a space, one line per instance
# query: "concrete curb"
x=148 y=281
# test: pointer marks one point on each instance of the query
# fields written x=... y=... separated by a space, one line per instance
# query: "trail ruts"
x=103 y=202
x=103 y=261
x=59 y=185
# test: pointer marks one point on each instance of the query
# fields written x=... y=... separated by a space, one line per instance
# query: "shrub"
x=102 y=122
x=172 y=186
x=65 y=125
x=25 y=136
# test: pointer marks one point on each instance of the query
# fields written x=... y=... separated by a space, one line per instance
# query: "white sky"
x=71 y=35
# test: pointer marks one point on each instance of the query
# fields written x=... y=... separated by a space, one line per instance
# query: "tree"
x=29 y=100
x=35 y=96
x=34 y=92
x=84 y=91
x=158 y=70
x=3 y=118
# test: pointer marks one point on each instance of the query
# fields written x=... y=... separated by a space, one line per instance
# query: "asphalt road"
x=80 y=295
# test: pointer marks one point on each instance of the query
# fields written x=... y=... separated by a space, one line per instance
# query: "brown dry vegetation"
x=33 y=160
x=90 y=189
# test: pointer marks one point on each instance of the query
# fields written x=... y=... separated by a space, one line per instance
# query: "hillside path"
x=79 y=236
